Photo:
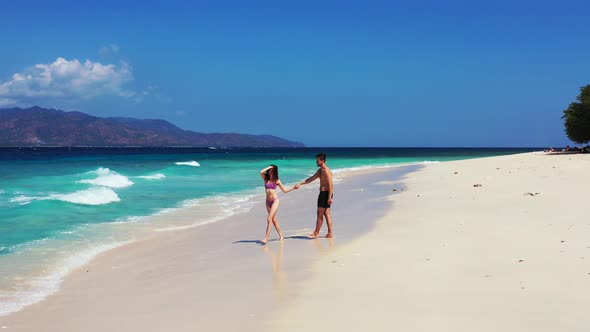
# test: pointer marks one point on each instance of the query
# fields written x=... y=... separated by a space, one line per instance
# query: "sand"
x=493 y=244
x=490 y=244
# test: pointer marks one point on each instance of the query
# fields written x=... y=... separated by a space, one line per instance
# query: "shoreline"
x=108 y=265
x=135 y=229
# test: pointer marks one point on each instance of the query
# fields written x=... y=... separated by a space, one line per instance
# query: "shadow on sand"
x=295 y=237
x=252 y=241
x=299 y=237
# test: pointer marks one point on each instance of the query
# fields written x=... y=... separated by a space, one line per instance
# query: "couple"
x=270 y=175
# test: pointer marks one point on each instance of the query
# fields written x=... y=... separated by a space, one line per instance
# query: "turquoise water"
x=61 y=207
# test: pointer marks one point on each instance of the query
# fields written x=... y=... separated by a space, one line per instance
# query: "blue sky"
x=326 y=73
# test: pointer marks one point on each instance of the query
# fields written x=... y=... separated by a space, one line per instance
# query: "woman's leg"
x=275 y=221
x=268 y=209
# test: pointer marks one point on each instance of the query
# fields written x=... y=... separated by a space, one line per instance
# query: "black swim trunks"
x=323 y=199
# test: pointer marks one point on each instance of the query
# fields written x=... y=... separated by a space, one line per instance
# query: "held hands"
x=297 y=186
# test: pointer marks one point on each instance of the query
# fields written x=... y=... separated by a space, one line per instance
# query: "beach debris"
x=531 y=194
x=520 y=261
x=478 y=185
x=334 y=261
x=487 y=276
x=417 y=195
x=394 y=189
x=562 y=241
x=456 y=173
x=497 y=167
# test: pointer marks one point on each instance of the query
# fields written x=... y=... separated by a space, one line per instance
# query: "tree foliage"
x=577 y=117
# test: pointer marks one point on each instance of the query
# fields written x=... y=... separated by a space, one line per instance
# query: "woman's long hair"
x=275 y=169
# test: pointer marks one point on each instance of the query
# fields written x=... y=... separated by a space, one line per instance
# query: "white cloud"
x=67 y=80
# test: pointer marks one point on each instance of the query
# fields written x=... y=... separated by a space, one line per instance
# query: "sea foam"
x=92 y=196
x=108 y=178
x=157 y=176
x=188 y=163
x=23 y=199
x=38 y=288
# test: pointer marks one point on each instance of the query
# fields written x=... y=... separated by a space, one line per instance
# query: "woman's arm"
x=262 y=173
x=280 y=184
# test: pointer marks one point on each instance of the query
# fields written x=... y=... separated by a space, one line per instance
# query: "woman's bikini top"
x=270 y=185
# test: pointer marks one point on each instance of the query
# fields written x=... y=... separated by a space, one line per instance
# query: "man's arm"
x=330 y=187
x=308 y=180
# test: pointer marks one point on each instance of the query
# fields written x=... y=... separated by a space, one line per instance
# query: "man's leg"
x=318 y=223
x=328 y=216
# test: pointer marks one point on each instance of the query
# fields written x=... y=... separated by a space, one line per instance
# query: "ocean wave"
x=127 y=220
x=20 y=248
x=108 y=178
x=369 y=167
x=219 y=207
x=2 y=191
x=24 y=200
x=362 y=168
x=157 y=176
x=92 y=196
x=188 y=163
x=38 y=288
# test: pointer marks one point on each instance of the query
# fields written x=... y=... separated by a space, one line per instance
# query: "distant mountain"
x=38 y=126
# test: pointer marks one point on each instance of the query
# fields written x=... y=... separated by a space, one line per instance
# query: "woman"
x=270 y=176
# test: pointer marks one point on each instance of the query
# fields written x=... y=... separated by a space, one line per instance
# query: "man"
x=325 y=197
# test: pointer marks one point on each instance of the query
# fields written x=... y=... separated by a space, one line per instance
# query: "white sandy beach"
x=437 y=254
x=510 y=255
